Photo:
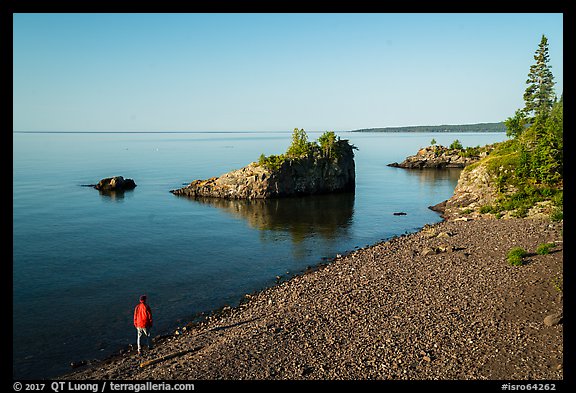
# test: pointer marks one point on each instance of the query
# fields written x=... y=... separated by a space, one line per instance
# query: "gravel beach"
x=439 y=304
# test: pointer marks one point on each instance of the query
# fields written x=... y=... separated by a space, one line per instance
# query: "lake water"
x=82 y=259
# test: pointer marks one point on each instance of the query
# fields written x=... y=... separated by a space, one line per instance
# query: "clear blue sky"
x=273 y=72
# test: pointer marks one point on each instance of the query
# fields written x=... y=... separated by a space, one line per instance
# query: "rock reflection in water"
x=328 y=215
x=114 y=195
x=433 y=175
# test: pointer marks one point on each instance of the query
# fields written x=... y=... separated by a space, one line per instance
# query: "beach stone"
x=428 y=251
x=445 y=248
x=554 y=319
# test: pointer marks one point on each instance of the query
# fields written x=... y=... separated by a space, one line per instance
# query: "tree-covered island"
x=307 y=168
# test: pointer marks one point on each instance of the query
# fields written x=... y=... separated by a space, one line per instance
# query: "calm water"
x=82 y=259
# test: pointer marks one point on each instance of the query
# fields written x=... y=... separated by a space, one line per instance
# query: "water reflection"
x=432 y=175
x=328 y=216
x=114 y=195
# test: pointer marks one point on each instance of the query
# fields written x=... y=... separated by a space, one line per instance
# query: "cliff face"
x=475 y=188
x=297 y=176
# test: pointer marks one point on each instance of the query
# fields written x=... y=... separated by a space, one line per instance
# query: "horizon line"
x=232 y=132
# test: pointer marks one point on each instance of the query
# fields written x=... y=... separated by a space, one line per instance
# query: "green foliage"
x=539 y=95
x=516 y=256
x=300 y=146
x=544 y=249
x=433 y=142
x=471 y=152
x=524 y=201
x=272 y=162
x=558 y=199
x=456 y=145
x=516 y=125
x=540 y=137
x=502 y=167
x=557 y=215
x=504 y=148
x=328 y=146
x=541 y=148
x=529 y=167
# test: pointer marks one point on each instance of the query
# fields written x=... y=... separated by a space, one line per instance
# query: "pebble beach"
x=439 y=304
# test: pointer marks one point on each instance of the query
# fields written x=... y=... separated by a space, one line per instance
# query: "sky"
x=273 y=72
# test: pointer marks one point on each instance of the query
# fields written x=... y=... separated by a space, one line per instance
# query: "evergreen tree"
x=539 y=95
x=456 y=145
x=328 y=143
x=516 y=125
x=300 y=145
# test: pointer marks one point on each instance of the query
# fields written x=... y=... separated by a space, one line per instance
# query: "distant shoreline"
x=478 y=127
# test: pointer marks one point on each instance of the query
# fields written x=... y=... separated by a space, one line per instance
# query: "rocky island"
x=307 y=168
x=113 y=184
x=439 y=157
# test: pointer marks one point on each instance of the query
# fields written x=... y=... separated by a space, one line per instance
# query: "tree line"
x=478 y=127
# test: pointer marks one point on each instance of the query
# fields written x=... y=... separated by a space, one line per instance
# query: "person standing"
x=143 y=322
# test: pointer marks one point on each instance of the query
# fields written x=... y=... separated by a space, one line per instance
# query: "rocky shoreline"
x=439 y=304
x=440 y=157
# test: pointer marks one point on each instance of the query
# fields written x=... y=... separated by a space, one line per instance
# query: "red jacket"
x=142 y=315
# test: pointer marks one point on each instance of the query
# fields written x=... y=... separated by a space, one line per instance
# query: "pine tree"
x=539 y=95
x=300 y=144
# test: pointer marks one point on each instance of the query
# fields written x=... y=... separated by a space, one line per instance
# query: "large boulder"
x=116 y=183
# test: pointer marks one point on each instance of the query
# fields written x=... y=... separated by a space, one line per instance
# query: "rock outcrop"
x=116 y=183
x=475 y=188
x=295 y=176
x=439 y=157
x=479 y=190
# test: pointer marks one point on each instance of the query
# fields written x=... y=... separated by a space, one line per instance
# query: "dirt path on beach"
x=442 y=303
